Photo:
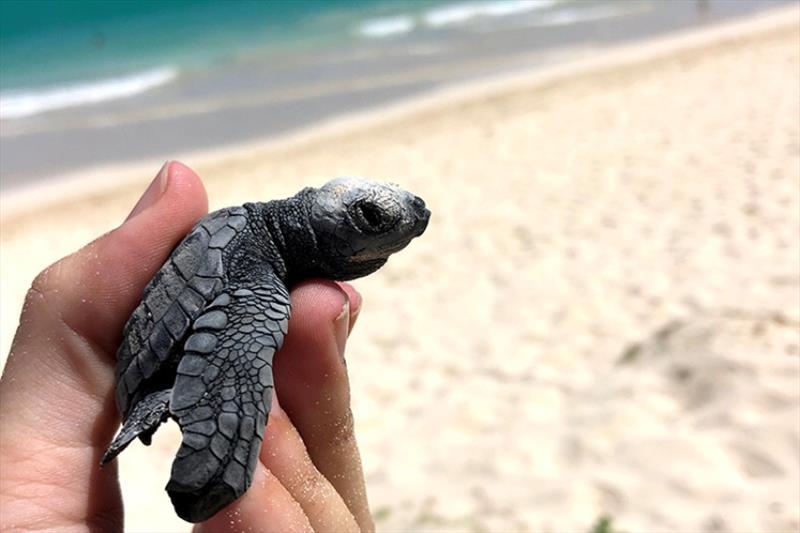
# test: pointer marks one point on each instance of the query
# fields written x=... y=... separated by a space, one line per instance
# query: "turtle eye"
x=371 y=214
x=370 y=217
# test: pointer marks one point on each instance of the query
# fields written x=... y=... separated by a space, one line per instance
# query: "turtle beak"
x=422 y=215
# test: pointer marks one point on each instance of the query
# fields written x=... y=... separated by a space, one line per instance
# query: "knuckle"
x=47 y=280
x=37 y=293
x=41 y=283
x=43 y=294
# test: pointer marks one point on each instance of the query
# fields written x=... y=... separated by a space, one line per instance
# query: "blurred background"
x=95 y=82
x=603 y=319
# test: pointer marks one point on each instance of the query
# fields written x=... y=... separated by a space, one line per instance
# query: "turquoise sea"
x=45 y=42
x=86 y=82
x=129 y=46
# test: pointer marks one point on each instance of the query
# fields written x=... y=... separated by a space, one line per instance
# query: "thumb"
x=60 y=369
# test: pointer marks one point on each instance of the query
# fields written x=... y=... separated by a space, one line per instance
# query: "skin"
x=57 y=409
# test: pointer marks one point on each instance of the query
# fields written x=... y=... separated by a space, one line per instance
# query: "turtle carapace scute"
x=199 y=346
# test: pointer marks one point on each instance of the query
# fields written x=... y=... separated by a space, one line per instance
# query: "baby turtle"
x=199 y=346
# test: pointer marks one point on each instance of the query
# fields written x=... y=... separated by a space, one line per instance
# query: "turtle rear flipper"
x=143 y=421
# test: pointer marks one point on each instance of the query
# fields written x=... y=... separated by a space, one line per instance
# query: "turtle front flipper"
x=222 y=396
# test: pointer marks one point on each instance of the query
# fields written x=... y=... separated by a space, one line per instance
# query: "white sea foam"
x=384 y=27
x=564 y=17
x=24 y=103
x=460 y=13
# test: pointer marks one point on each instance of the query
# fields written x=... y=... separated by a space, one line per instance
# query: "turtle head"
x=358 y=224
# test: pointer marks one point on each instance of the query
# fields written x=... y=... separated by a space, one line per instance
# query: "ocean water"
x=87 y=82
x=58 y=54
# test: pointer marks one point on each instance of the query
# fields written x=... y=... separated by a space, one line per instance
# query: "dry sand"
x=603 y=317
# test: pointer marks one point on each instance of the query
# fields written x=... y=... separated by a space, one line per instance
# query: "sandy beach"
x=603 y=317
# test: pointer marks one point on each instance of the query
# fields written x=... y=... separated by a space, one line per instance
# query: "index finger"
x=312 y=383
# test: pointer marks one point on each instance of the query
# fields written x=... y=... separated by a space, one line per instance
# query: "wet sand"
x=602 y=317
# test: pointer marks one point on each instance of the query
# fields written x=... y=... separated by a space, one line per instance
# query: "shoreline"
x=51 y=192
x=269 y=95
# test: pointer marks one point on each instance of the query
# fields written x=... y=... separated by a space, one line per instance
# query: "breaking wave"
x=447 y=15
x=24 y=103
x=569 y=16
x=460 y=13
x=384 y=27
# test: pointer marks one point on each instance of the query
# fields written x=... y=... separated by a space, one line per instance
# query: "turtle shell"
x=192 y=277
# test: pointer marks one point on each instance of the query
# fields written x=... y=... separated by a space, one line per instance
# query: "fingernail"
x=355 y=309
x=355 y=303
x=275 y=406
x=154 y=191
x=341 y=326
x=260 y=475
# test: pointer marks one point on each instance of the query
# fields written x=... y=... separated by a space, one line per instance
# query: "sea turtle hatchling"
x=199 y=346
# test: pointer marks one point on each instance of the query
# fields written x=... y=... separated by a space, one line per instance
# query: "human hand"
x=57 y=412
